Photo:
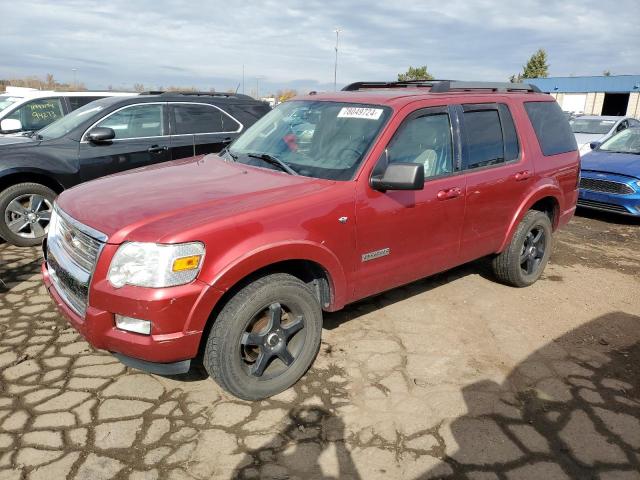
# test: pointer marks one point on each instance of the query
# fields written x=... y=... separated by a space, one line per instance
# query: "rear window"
x=77 y=102
x=552 y=128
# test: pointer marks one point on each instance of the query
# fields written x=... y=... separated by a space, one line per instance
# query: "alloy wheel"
x=28 y=215
x=533 y=249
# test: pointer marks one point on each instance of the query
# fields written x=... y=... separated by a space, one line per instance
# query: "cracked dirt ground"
x=450 y=377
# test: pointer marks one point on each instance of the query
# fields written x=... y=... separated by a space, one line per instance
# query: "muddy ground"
x=454 y=376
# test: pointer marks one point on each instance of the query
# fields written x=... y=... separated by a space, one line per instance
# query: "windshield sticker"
x=360 y=112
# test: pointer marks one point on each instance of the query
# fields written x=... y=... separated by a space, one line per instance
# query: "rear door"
x=200 y=128
x=141 y=139
x=406 y=235
x=496 y=176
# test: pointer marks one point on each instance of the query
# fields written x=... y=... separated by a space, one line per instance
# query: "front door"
x=200 y=128
x=141 y=139
x=406 y=235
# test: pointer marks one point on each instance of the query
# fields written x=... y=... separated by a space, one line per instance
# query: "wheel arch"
x=13 y=177
x=545 y=199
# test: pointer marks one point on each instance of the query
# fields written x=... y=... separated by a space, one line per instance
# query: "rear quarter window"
x=552 y=128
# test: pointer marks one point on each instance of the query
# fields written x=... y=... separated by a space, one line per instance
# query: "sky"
x=291 y=43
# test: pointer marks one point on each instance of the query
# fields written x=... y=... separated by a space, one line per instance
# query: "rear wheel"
x=523 y=261
x=265 y=338
x=26 y=211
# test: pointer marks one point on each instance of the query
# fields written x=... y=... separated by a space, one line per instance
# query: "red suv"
x=329 y=198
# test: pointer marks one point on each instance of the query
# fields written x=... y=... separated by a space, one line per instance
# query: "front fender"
x=544 y=190
x=269 y=254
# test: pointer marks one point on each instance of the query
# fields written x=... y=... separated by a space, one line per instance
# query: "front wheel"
x=524 y=259
x=26 y=211
x=265 y=338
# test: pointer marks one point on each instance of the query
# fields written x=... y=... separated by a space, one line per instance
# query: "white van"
x=28 y=109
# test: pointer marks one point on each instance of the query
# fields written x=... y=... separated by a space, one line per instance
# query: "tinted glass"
x=136 y=121
x=483 y=138
x=511 y=145
x=424 y=139
x=39 y=113
x=202 y=119
x=315 y=138
x=551 y=127
x=591 y=125
x=77 y=102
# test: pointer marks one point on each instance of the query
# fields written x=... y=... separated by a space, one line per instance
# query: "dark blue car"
x=610 y=178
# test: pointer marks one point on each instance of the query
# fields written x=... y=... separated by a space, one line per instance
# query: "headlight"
x=155 y=265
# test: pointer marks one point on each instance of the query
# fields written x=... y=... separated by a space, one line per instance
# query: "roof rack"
x=442 y=86
x=197 y=94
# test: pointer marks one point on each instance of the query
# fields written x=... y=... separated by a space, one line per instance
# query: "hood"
x=618 y=163
x=159 y=202
x=586 y=138
x=16 y=139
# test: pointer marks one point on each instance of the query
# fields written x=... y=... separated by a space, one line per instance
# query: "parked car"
x=591 y=128
x=236 y=256
x=610 y=178
x=25 y=110
x=108 y=136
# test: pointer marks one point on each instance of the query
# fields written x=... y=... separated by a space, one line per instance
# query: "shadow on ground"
x=570 y=410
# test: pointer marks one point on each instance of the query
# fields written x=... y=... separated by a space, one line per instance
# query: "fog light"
x=133 y=324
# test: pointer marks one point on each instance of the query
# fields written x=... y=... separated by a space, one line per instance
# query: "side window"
x=202 y=119
x=39 y=113
x=77 y=102
x=552 y=129
x=424 y=139
x=136 y=121
x=484 y=142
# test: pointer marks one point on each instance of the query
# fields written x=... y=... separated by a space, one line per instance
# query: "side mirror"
x=595 y=145
x=400 y=176
x=10 y=125
x=101 y=134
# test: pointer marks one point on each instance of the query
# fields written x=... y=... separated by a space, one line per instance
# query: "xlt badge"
x=375 y=254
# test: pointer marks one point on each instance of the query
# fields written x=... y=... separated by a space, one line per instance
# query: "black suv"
x=108 y=136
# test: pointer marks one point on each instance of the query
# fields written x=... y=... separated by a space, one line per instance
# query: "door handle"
x=524 y=175
x=449 y=193
x=157 y=149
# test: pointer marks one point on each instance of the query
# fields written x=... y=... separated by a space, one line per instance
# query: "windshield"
x=7 y=101
x=591 y=125
x=67 y=123
x=627 y=141
x=313 y=138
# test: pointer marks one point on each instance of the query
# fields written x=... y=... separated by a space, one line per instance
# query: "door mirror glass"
x=101 y=134
x=400 y=176
x=10 y=125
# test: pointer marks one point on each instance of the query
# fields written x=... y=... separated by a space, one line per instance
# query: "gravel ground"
x=454 y=376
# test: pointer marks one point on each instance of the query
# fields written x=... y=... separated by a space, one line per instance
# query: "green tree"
x=536 y=67
x=415 y=73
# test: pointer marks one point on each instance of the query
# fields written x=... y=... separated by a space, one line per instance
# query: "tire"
x=245 y=350
x=20 y=224
x=520 y=265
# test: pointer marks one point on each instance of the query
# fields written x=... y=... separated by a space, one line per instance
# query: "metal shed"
x=595 y=95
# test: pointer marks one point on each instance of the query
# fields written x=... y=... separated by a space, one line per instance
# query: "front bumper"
x=178 y=316
x=624 y=204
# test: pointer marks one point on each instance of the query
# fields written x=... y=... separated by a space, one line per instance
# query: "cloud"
x=290 y=44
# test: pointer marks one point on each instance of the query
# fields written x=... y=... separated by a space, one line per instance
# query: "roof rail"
x=442 y=86
x=400 y=84
x=198 y=94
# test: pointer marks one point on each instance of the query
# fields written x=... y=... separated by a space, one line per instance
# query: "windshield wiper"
x=268 y=158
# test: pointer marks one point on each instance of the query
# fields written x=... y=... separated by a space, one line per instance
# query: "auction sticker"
x=360 y=112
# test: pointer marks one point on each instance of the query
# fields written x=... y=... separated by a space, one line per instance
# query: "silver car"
x=594 y=128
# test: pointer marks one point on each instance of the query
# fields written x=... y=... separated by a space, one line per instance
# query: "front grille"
x=607 y=186
x=72 y=253
x=609 y=207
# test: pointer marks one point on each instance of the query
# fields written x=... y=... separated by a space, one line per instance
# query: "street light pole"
x=335 y=67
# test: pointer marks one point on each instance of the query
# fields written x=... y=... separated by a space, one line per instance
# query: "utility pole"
x=335 y=67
